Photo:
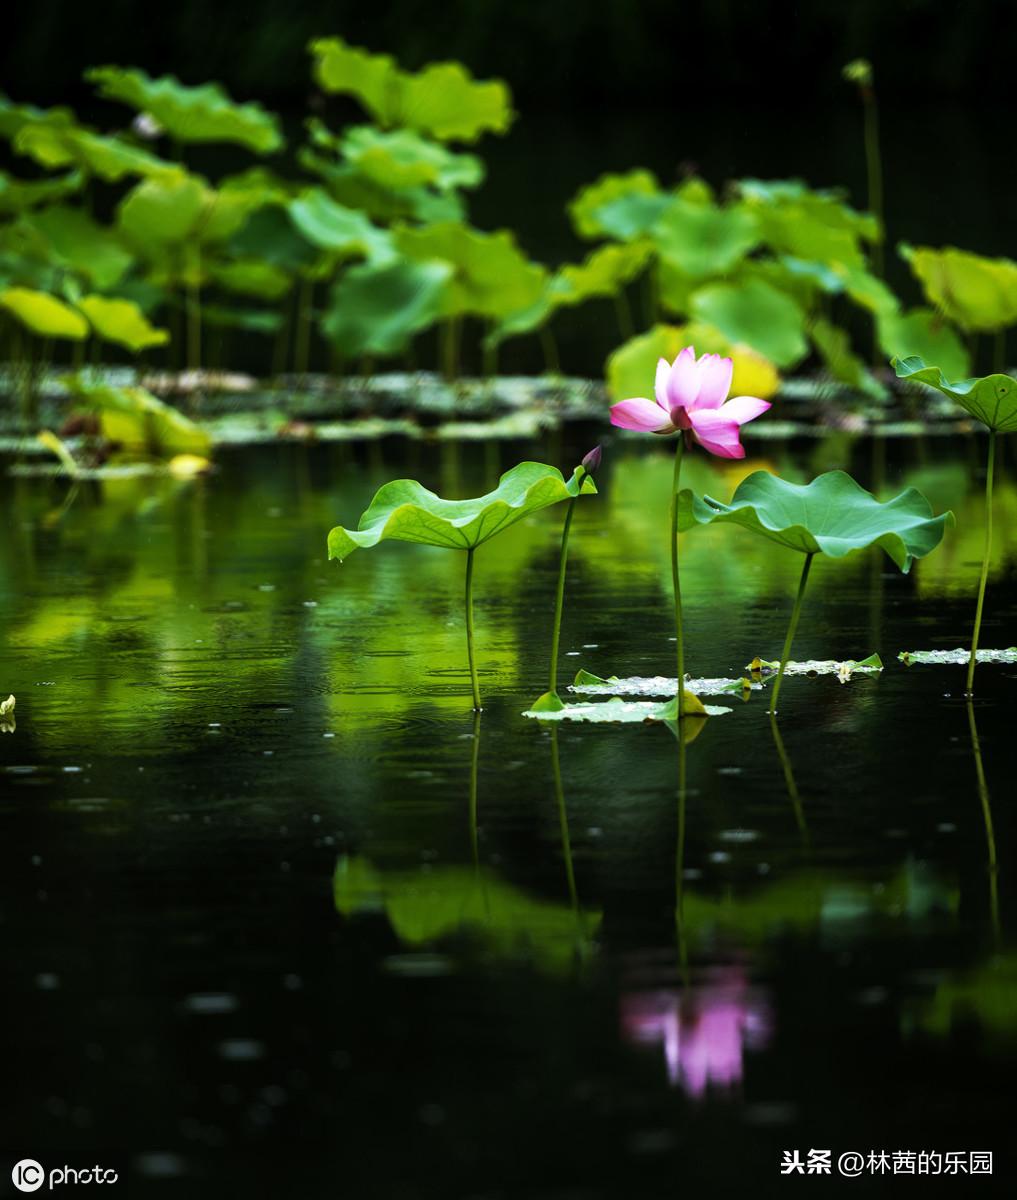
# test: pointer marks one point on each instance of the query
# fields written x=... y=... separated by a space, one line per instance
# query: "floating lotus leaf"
x=588 y=202
x=337 y=229
x=403 y=159
x=76 y=242
x=252 y=277
x=443 y=100
x=139 y=421
x=377 y=308
x=832 y=515
x=22 y=195
x=957 y=657
x=190 y=114
x=588 y=684
x=60 y=143
x=704 y=239
x=762 y=668
x=757 y=315
x=976 y=293
x=406 y=511
x=632 y=364
x=991 y=399
x=491 y=275
x=121 y=322
x=630 y=712
x=922 y=333
x=43 y=314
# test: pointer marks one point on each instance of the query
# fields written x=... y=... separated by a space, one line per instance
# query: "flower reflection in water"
x=704 y=1028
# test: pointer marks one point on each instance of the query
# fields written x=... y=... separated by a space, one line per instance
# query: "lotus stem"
x=675 y=577
x=559 y=601
x=450 y=348
x=990 y=835
x=986 y=554
x=785 y=654
x=194 y=311
x=469 y=629
x=874 y=171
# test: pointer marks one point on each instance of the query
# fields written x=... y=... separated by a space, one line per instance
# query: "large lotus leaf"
x=406 y=511
x=589 y=200
x=602 y=273
x=22 y=195
x=977 y=293
x=373 y=79
x=61 y=144
x=445 y=101
x=78 y=243
x=140 y=421
x=491 y=275
x=43 y=314
x=808 y=224
x=868 y=290
x=121 y=322
x=922 y=333
x=377 y=308
x=991 y=399
x=252 y=277
x=163 y=211
x=832 y=515
x=631 y=368
x=337 y=229
x=190 y=114
x=754 y=314
x=401 y=159
x=704 y=239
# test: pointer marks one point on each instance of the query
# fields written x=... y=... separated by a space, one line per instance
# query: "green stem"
x=990 y=834
x=874 y=170
x=194 y=310
x=549 y=345
x=795 y=614
x=469 y=629
x=559 y=601
x=986 y=553
x=675 y=577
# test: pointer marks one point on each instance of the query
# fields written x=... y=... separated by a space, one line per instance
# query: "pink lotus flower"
x=691 y=395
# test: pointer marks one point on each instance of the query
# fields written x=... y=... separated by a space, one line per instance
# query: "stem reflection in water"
x=990 y=835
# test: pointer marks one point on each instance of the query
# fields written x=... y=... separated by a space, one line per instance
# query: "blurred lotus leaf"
x=406 y=511
x=252 y=277
x=76 y=242
x=134 y=418
x=44 y=315
x=337 y=229
x=376 y=308
x=924 y=334
x=834 y=347
x=832 y=515
x=991 y=399
x=809 y=224
x=754 y=314
x=403 y=159
x=164 y=210
x=121 y=322
x=602 y=273
x=978 y=294
x=22 y=195
x=55 y=140
x=190 y=114
x=491 y=277
x=703 y=239
x=588 y=203
x=443 y=100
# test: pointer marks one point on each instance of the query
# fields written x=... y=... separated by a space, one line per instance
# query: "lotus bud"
x=591 y=461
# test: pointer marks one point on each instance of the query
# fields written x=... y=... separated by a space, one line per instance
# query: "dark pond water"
x=280 y=920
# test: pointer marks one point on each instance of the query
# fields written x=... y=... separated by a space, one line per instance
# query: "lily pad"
x=991 y=399
x=404 y=510
x=621 y=712
x=832 y=515
x=763 y=669
x=956 y=657
x=587 y=684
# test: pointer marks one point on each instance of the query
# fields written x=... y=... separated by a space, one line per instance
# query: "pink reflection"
x=704 y=1029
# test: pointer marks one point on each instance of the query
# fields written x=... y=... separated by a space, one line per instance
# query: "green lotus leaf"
x=230 y=206
x=22 y=195
x=377 y=308
x=400 y=159
x=586 y=206
x=704 y=239
x=337 y=229
x=834 y=346
x=978 y=294
x=163 y=211
x=491 y=275
x=270 y=236
x=121 y=322
x=754 y=314
x=809 y=224
x=373 y=79
x=832 y=515
x=76 y=242
x=190 y=114
x=922 y=333
x=406 y=511
x=139 y=421
x=991 y=399
x=14 y=117
x=604 y=272
x=55 y=144
x=43 y=314
x=251 y=319
x=252 y=277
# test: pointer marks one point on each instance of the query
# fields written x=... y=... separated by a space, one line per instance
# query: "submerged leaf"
x=630 y=712
x=406 y=511
x=832 y=515
x=763 y=668
x=658 y=685
x=956 y=657
x=991 y=399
